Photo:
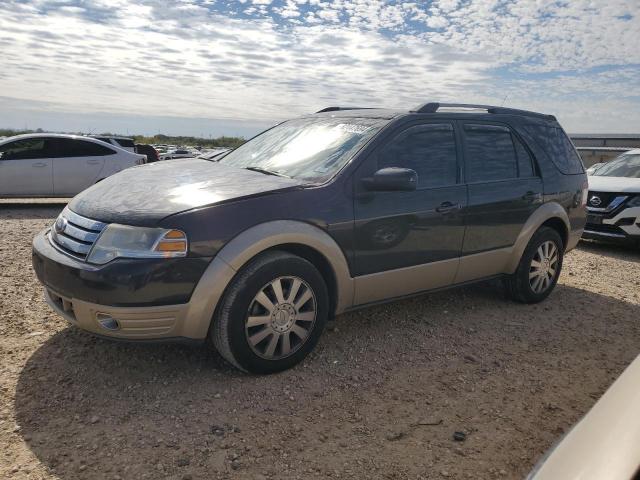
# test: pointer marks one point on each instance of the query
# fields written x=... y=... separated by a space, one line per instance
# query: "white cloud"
x=184 y=58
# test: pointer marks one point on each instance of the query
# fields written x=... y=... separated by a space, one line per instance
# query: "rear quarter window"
x=125 y=142
x=558 y=147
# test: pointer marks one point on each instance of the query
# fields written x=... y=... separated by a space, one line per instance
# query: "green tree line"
x=229 y=142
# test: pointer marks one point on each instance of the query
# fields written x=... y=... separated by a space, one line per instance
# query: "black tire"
x=518 y=285
x=229 y=331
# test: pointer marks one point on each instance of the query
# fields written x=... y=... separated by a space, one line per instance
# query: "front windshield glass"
x=623 y=166
x=312 y=149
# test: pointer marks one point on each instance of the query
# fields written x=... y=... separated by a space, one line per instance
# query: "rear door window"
x=428 y=149
x=490 y=153
x=69 y=147
x=557 y=146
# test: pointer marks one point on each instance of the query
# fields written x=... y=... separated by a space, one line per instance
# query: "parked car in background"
x=258 y=250
x=178 y=153
x=213 y=153
x=605 y=444
x=57 y=165
x=160 y=148
x=614 y=200
x=122 y=142
x=148 y=151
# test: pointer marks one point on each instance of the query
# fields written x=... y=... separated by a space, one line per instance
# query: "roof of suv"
x=431 y=108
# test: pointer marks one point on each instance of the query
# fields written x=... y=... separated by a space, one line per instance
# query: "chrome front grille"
x=74 y=234
x=605 y=202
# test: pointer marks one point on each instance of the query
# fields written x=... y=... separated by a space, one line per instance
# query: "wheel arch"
x=298 y=238
x=550 y=214
x=559 y=226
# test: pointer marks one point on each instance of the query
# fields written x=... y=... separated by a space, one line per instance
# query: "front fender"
x=245 y=246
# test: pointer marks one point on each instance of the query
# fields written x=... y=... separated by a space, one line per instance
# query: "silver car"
x=56 y=165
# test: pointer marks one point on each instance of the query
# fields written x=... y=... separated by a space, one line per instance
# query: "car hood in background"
x=605 y=444
x=146 y=194
x=614 y=184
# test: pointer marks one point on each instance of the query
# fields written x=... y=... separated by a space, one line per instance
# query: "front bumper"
x=623 y=227
x=127 y=323
x=132 y=298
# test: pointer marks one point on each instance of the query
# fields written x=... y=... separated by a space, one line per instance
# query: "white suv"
x=123 y=142
x=56 y=165
x=613 y=203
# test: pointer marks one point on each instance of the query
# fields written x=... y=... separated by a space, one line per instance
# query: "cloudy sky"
x=211 y=67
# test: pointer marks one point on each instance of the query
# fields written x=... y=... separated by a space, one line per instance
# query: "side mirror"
x=392 y=179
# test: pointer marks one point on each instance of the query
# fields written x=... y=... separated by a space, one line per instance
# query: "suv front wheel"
x=539 y=268
x=272 y=314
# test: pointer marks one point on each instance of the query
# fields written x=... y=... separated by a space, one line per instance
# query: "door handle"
x=447 y=207
x=93 y=162
x=39 y=165
x=532 y=197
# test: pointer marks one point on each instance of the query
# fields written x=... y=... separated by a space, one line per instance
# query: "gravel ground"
x=380 y=398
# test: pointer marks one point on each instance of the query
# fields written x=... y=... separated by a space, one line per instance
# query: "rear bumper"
x=574 y=238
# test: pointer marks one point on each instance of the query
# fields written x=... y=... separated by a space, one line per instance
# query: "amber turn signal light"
x=173 y=241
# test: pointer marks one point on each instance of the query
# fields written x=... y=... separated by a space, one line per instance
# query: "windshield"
x=311 y=149
x=623 y=166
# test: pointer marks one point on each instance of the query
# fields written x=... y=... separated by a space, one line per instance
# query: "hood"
x=614 y=184
x=146 y=194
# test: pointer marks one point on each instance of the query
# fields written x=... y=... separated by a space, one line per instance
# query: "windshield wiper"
x=266 y=172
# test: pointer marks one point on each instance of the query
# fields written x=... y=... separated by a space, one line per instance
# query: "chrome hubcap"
x=543 y=267
x=280 y=318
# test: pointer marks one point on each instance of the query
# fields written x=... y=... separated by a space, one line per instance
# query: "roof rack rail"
x=337 y=109
x=433 y=107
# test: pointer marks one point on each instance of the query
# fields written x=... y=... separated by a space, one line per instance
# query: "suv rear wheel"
x=539 y=268
x=272 y=314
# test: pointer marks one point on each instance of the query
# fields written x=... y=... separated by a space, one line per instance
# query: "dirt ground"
x=380 y=398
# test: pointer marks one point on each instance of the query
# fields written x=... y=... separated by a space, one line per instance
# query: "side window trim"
x=532 y=157
x=503 y=127
x=450 y=125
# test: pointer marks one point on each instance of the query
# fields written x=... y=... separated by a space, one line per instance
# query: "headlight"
x=634 y=202
x=137 y=242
